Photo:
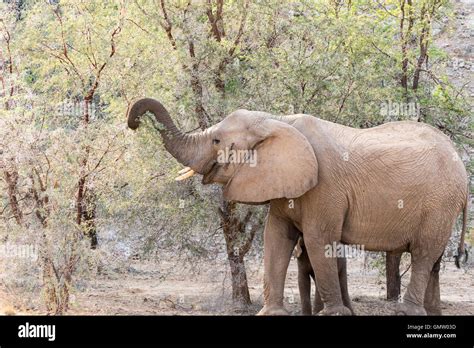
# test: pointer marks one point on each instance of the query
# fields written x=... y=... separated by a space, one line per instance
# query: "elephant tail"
x=461 y=248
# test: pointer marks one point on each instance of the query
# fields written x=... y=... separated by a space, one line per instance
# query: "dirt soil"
x=144 y=293
x=145 y=290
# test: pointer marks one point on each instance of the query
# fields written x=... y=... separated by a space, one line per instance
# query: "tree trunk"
x=88 y=218
x=11 y=176
x=234 y=231
x=405 y=38
x=392 y=264
x=11 y=179
x=240 y=289
x=424 y=41
x=85 y=201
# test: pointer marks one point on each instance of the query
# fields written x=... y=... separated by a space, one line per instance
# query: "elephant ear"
x=286 y=166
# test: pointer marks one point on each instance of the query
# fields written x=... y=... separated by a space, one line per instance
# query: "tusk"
x=184 y=170
x=186 y=175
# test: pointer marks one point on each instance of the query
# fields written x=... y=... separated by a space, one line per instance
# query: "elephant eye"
x=215 y=141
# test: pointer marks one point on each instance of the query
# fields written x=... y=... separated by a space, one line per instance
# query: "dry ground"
x=148 y=288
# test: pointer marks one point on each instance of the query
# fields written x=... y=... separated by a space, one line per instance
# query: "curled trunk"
x=186 y=148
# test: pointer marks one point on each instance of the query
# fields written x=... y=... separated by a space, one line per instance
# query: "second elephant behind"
x=306 y=273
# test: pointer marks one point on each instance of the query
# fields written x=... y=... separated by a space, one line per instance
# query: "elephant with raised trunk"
x=395 y=187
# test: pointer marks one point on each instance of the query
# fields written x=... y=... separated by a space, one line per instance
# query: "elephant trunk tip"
x=174 y=140
x=137 y=110
x=133 y=123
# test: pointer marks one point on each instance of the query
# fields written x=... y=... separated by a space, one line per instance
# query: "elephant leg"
x=279 y=242
x=304 y=285
x=318 y=304
x=432 y=302
x=327 y=278
x=413 y=300
x=342 y=271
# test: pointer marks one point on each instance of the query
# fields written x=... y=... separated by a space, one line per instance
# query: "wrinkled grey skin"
x=306 y=273
x=395 y=187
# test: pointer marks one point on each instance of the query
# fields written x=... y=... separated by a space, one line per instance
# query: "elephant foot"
x=433 y=311
x=273 y=310
x=336 y=310
x=409 y=308
x=316 y=311
x=317 y=308
x=351 y=309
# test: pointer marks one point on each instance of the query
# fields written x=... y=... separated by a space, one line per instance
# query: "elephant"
x=306 y=273
x=396 y=187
